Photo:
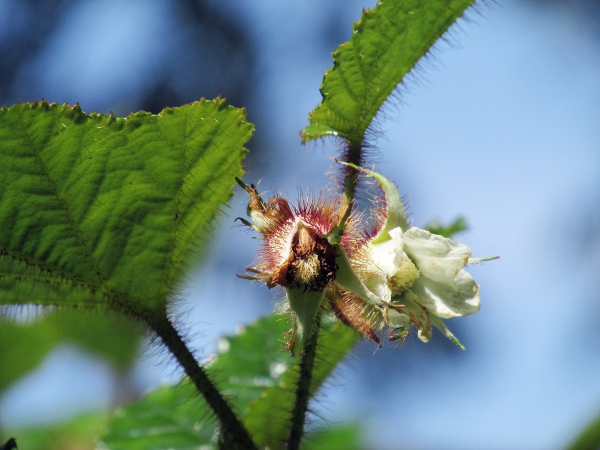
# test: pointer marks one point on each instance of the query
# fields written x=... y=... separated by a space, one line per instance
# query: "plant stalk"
x=233 y=433
x=303 y=389
x=353 y=153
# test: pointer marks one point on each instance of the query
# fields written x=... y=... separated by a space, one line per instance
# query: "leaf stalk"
x=233 y=433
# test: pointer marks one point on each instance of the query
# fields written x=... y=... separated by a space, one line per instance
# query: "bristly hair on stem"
x=305 y=377
x=353 y=153
x=233 y=433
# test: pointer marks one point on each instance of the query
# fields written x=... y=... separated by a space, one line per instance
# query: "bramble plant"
x=106 y=213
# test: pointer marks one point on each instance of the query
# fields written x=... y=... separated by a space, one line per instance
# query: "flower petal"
x=379 y=286
x=457 y=298
x=387 y=255
x=437 y=258
x=347 y=279
x=385 y=260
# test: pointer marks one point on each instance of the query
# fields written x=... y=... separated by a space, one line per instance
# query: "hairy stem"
x=352 y=154
x=233 y=433
x=303 y=389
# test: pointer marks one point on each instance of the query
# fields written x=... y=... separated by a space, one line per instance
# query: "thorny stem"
x=233 y=433
x=303 y=389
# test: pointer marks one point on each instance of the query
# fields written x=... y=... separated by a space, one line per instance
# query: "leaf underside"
x=103 y=211
x=252 y=370
x=385 y=45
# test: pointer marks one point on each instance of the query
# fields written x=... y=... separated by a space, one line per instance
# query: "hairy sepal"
x=304 y=306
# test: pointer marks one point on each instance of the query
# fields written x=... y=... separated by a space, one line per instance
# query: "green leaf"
x=104 y=211
x=22 y=348
x=589 y=437
x=24 y=345
x=252 y=369
x=79 y=433
x=267 y=418
x=245 y=365
x=173 y=417
x=459 y=224
x=386 y=44
x=335 y=437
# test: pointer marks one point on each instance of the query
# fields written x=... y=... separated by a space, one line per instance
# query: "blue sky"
x=499 y=125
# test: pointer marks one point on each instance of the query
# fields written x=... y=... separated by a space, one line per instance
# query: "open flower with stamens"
x=393 y=276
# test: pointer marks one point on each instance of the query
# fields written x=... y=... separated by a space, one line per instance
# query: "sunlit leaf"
x=173 y=417
x=385 y=45
x=335 y=437
x=246 y=364
x=100 y=210
x=589 y=437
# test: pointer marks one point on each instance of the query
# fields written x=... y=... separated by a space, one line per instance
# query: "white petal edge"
x=458 y=298
x=386 y=259
x=437 y=258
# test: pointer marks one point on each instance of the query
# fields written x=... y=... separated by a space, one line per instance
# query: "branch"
x=233 y=433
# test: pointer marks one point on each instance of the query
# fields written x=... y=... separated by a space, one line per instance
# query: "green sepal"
x=304 y=306
x=440 y=325
x=395 y=213
x=348 y=280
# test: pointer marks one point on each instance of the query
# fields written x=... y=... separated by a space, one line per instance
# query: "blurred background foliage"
x=61 y=372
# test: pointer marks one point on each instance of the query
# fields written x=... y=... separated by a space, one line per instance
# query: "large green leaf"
x=386 y=44
x=256 y=373
x=98 y=210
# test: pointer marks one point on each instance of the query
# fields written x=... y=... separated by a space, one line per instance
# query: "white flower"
x=395 y=276
x=415 y=276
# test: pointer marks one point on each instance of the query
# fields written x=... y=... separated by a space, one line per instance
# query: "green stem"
x=353 y=154
x=233 y=433
x=303 y=389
